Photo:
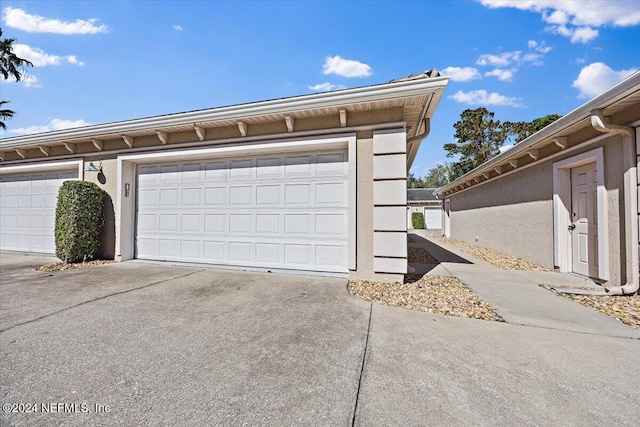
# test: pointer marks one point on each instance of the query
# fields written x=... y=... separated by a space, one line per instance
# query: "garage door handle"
x=572 y=227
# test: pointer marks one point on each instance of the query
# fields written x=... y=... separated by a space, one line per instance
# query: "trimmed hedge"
x=417 y=219
x=79 y=221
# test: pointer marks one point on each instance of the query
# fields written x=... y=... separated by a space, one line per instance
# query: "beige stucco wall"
x=364 y=214
x=509 y=214
x=107 y=180
x=514 y=213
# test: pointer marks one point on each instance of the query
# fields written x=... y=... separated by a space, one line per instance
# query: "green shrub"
x=79 y=221
x=417 y=219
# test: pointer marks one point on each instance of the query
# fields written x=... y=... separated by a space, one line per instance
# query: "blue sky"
x=100 y=62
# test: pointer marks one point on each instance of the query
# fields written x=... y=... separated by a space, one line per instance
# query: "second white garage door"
x=271 y=211
x=28 y=210
x=432 y=218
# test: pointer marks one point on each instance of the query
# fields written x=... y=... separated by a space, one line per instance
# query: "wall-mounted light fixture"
x=93 y=168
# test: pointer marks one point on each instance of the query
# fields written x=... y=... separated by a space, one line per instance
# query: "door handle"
x=572 y=227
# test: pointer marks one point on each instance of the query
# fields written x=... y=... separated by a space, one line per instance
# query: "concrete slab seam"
x=364 y=357
x=97 y=299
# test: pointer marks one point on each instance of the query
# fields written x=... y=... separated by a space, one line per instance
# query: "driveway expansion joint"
x=572 y=331
x=364 y=358
x=97 y=299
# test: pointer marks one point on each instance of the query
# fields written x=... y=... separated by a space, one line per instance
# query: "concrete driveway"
x=162 y=345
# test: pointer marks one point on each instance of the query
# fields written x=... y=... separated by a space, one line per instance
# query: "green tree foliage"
x=415 y=182
x=10 y=65
x=79 y=221
x=522 y=130
x=417 y=219
x=5 y=114
x=479 y=136
x=439 y=176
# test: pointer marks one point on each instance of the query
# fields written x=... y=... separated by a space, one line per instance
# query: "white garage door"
x=287 y=211
x=28 y=210
x=432 y=218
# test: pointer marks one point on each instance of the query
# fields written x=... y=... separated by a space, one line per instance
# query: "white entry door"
x=28 y=210
x=272 y=211
x=584 y=223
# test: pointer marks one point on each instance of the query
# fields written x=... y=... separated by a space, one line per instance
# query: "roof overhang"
x=418 y=99
x=618 y=98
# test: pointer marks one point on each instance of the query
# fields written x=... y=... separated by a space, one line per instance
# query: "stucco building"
x=565 y=198
x=313 y=183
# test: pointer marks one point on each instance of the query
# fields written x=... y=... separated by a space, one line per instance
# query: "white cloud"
x=325 y=87
x=501 y=74
x=594 y=13
x=345 y=67
x=540 y=47
x=40 y=58
x=482 y=97
x=584 y=35
x=462 y=74
x=507 y=58
x=18 y=18
x=557 y=17
x=576 y=34
x=576 y=19
x=30 y=80
x=596 y=78
x=54 y=124
x=178 y=27
x=501 y=60
x=73 y=60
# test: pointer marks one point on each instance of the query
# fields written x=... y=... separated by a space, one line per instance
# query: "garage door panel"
x=268 y=167
x=330 y=194
x=215 y=223
x=298 y=166
x=215 y=171
x=214 y=251
x=287 y=211
x=37 y=201
x=241 y=169
x=268 y=253
x=267 y=195
x=190 y=249
x=240 y=251
x=297 y=194
x=240 y=224
x=240 y=195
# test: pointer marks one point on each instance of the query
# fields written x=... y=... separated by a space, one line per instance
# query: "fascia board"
x=622 y=90
x=286 y=105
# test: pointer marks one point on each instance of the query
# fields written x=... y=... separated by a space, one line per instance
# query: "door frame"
x=446 y=213
x=562 y=244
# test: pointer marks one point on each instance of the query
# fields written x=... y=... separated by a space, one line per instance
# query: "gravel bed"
x=431 y=294
x=58 y=266
x=499 y=259
x=625 y=309
x=420 y=256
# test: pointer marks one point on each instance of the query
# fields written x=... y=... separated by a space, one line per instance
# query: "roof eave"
x=611 y=96
x=279 y=106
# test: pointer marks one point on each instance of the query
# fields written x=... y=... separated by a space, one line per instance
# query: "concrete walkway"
x=517 y=295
